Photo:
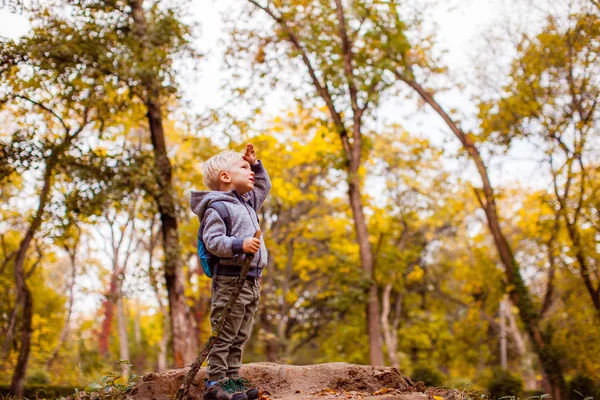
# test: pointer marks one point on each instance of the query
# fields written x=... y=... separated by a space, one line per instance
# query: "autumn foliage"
x=387 y=245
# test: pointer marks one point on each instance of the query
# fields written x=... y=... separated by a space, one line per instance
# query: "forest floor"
x=294 y=382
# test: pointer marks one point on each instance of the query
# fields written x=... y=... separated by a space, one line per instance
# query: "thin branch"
x=6 y=261
x=37 y=261
x=44 y=108
x=548 y=298
x=347 y=57
x=321 y=89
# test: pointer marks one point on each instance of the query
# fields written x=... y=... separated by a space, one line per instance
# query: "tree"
x=70 y=242
x=132 y=46
x=411 y=219
x=556 y=101
x=185 y=343
x=120 y=246
x=407 y=67
x=345 y=72
x=302 y=278
x=64 y=119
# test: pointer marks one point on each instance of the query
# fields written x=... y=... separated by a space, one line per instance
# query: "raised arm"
x=262 y=182
x=262 y=186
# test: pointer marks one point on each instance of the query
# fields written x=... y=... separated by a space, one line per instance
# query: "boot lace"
x=243 y=384
x=231 y=386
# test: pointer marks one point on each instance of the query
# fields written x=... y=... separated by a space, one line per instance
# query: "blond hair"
x=213 y=167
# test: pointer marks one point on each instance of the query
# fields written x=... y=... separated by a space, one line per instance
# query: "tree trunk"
x=366 y=258
x=527 y=365
x=123 y=339
x=162 y=346
x=268 y=305
x=389 y=332
x=519 y=293
x=503 y=347
x=10 y=331
x=184 y=341
x=24 y=299
x=352 y=152
x=354 y=158
x=584 y=268
x=572 y=225
x=18 y=378
x=109 y=311
x=137 y=328
x=65 y=329
x=283 y=342
x=164 y=340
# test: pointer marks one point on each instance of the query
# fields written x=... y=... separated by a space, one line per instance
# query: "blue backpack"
x=208 y=260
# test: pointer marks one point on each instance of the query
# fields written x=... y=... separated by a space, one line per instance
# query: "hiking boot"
x=245 y=386
x=223 y=389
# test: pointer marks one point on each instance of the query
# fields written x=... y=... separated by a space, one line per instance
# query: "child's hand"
x=251 y=245
x=250 y=154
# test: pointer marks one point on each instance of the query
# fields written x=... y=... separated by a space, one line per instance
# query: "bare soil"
x=299 y=382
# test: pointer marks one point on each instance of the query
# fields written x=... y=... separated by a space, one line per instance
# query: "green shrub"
x=38 y=377
x=582 y=387
x=428 y=375
x=535 y=394
x=40 y=391
x=504 y=384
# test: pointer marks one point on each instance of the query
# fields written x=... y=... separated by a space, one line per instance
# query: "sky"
x=460 y=31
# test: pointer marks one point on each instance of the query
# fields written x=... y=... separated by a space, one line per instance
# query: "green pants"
x=225 y=357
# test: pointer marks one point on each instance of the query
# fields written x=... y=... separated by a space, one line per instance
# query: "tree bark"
x=390 y=332
x=24 y=299
x=352 y=152
x=122 y=330
x=65 y=330
x=573 y=224
x=367 y=262
x=184 y=340
x=137 y=328
x=366 y=251
x=503 y=342
x=519 y=293
x=528 y=368
x=268 y=300
x=164 y=340
x=10 y=331
x=109 y=311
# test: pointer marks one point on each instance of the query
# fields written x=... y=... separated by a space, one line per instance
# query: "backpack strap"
x=223 y=211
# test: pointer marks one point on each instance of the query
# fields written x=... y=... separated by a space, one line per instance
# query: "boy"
x=240 y=182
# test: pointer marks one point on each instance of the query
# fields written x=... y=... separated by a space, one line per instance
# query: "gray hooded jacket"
x=244 y=223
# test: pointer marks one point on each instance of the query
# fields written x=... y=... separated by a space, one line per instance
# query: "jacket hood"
x=201 y=200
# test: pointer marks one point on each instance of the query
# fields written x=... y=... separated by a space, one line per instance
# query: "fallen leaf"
x=383 y=391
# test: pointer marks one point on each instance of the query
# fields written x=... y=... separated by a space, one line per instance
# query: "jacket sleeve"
x=215 y=238
x=262 y=186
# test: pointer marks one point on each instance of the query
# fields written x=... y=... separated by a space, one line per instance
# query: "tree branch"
x=321 y=89
x=45 y=108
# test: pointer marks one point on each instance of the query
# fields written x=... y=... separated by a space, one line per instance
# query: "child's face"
x=241 y=177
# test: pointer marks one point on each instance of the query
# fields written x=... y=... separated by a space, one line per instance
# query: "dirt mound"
x=294 y=382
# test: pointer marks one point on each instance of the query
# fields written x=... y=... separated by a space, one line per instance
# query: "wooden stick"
x=195 y=367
